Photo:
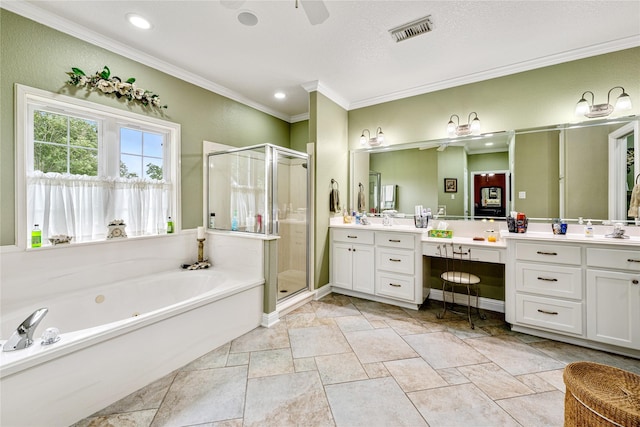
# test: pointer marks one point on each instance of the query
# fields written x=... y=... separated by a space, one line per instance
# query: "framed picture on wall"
x=450 y=185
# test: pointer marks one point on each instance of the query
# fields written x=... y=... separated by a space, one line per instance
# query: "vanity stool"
x=456 y=274
x=600 y=395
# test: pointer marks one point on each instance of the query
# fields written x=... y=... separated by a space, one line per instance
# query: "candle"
x=200 y=232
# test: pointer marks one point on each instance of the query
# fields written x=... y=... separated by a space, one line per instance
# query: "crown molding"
x=318 y=86
x=545 y=61
x=58 y=23
x=299 y=118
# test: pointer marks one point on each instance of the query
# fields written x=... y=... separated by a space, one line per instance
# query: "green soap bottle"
x=169 y=226
x=36 y=236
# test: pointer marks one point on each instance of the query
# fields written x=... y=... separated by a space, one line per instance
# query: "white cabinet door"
x=613 y=308
x=341 y=265
x=363 y=268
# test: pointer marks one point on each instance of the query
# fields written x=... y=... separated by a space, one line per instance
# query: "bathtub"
x=116 y=339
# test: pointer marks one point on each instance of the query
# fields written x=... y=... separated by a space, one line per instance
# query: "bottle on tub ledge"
x=234 y=221
x=36 y=236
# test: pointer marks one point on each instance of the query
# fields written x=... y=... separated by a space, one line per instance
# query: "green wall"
x=328 y=129
x=488 y=162
x=535 y=98
x=299 y=136
x=415 y=172
x=537 y=172
x=451 y=164
x=38 y=56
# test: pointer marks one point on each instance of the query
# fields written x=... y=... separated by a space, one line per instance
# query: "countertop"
x=572 y=238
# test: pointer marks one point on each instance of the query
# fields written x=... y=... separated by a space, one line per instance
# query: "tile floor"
x=345 y=361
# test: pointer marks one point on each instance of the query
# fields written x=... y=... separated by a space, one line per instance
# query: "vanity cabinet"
x=548 y=286
x=583 y=292
x=395 y=265
x=352 y=263
x=383 y=266
x=613 y=297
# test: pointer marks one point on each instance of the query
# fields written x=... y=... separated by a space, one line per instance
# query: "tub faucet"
x=23 y=335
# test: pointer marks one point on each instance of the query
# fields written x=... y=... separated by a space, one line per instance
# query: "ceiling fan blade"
x=316 y=11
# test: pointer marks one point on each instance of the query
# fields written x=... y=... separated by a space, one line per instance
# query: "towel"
x=634 y=203
x=361 y=204
x=334 y=200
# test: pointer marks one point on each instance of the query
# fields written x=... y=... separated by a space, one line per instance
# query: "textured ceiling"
x=351 y=54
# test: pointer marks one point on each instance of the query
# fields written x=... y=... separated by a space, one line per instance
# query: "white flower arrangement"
x=105 y=83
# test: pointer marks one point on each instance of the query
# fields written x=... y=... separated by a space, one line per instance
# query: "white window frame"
x=26 y=96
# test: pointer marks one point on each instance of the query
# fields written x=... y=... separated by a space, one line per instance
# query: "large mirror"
x=585 y=170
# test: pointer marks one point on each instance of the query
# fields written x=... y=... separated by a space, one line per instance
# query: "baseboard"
x=323 y=291
x=270 y=319
x=485 y=303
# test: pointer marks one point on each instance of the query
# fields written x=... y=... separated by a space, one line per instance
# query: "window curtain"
x=82 y=206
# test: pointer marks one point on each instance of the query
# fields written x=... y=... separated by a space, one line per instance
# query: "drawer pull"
x=546 y=279
x=460 y=253
x=349 y=249
x=634 y=281
x=352 y=237
x=633 y=260
x=546 y=253
x=547 y=312
x=395 y=285
x=394 y=260
x=394 y=240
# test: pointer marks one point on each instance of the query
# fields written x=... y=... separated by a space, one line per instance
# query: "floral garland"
x=104 y=82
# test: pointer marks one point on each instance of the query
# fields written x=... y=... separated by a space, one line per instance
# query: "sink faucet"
x=23 y=335
x=618 y=232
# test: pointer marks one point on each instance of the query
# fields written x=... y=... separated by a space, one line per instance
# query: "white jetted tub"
x=117 y=338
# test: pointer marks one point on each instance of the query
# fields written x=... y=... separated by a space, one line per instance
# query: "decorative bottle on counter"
x=169 y=225
x=212 y=220
x=36 y=237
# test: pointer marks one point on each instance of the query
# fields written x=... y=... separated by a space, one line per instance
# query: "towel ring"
x=361 y=186
x=333 y=181
x=637 y=176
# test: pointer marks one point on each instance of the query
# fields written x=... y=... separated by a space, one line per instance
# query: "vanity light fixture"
x=373 y=142
x=591 y=110
x=471 y=128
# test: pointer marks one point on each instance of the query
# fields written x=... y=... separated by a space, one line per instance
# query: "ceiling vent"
x=412 y=29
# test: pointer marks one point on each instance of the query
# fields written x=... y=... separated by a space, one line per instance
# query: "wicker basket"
x=600 y=395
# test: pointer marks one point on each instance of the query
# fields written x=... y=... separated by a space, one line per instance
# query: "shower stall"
x=264 y=189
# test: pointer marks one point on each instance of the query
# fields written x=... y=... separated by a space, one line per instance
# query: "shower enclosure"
x=264 y=189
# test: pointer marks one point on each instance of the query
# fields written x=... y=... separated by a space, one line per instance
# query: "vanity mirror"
x=566 y=171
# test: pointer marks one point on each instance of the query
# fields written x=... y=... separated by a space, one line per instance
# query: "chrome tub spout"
x=23 y=335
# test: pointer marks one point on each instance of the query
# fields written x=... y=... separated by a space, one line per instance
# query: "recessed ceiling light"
x=488 y=144
x=280 y=95
x=138 y=21
x=247 y=18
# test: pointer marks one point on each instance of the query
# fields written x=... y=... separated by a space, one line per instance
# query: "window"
x=82 y=165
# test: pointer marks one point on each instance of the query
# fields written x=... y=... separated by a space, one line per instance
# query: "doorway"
x=490 y=190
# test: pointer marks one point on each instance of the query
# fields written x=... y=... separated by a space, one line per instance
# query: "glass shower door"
x=291 y=194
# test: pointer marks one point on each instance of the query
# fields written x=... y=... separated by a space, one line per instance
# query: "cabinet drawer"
x=352 y=236
x=395 y=286
x=558 y=315
x=396 y=260
x=477 y=253
x=395 y=240
x=614 y=258
x=557 y=254
x=551 y=280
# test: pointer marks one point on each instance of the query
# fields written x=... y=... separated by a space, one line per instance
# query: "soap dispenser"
x=588 y=229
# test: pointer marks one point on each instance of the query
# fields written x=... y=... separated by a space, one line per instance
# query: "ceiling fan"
x=316 y=10
x=442 y=145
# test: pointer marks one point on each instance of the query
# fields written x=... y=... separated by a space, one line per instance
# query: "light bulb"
x=582 y=107
x=623 y=102
x=451 y=128
x=475 y=126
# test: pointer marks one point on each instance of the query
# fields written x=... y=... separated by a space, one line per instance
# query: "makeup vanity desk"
x=386 y=263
